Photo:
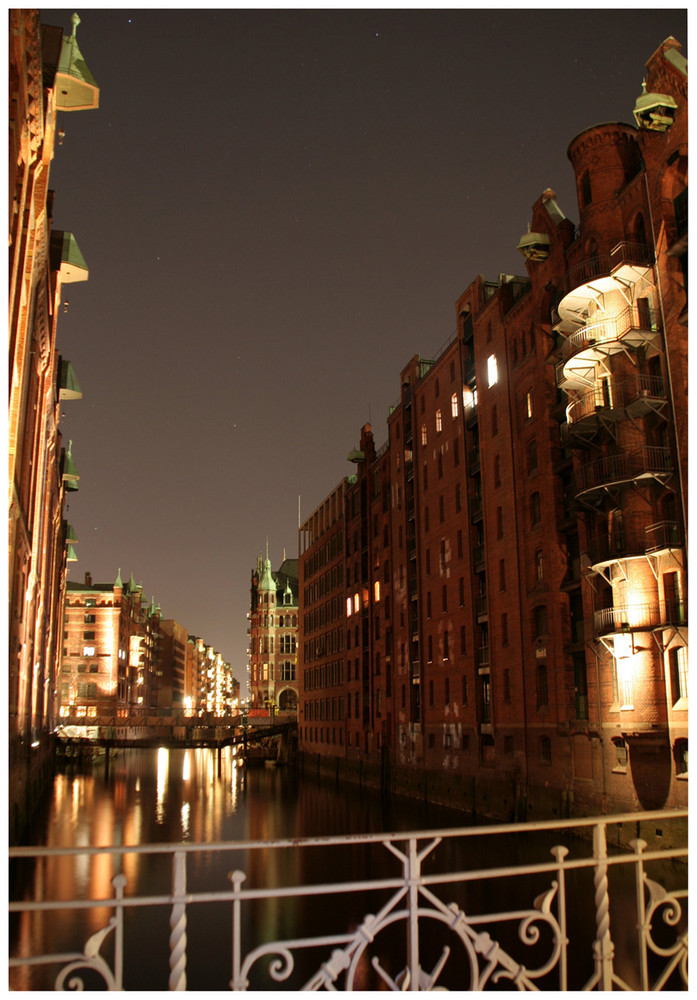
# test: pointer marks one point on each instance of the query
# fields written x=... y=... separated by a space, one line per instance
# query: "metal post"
x=603 y=947
x=413 y=866
x=639 y=846
x=237 y=878
x=177 y=924
x=118 y=882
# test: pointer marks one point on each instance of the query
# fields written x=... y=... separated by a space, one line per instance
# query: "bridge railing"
x=586 y=914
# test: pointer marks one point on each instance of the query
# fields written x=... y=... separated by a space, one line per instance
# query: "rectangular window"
x=677 y=658
x=492 y=370
x=542 y=695
x=446 y=646
x=535 y=513
x=439 y=421
x=529 y=405
x=453 y=404
x=447 y=690
x=463 y=640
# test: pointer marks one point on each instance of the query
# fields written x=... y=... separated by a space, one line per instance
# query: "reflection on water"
x=202 y=796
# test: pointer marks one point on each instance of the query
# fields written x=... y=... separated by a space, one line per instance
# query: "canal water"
x=200 y=796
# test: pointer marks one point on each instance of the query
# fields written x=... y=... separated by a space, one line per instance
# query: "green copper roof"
x=67 y=258
x=70 y=533
x=118 y=582
x=267 y=581
x=68 y=385
x=76 y=88
x=71 y=556
x=70 y=473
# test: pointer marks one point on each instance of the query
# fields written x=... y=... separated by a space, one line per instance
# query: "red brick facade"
x=514 y=577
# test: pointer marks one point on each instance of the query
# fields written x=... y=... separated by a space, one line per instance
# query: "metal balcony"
x=625 y=543
x=634 y=327
x=617 y=470
x=612 y=400
x=640 y=617
x=625 y=266
x=502 y=922
x=482 y=657
x=663 y=535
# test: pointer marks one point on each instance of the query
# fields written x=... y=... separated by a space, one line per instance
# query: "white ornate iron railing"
x=436 y=923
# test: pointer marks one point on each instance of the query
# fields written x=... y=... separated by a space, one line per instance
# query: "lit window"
x=356 y=603
x=492 y=370
x=677 y=657
x=424 y=435
x=376 y=590
x=88 y=650
x=349 y=607
x=439 y=421
x=529 y=407
x=453 y=404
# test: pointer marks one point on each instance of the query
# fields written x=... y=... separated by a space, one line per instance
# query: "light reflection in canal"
x=200 y=796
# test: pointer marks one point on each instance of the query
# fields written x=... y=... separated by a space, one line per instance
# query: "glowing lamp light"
x=624 y=647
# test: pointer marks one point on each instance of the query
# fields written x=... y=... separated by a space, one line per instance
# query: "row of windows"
x=325 y=675
x=284 y=621
x=286 y=644
x=265 y=671
x=324 y=645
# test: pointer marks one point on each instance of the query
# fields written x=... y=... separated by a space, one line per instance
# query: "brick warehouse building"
x=513 y=559
x=47 y=76
x=273 y=631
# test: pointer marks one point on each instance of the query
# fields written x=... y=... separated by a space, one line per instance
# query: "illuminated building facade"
x=111 y=651
x=47 y=76
x=514 y=561
x=273 y=632
x=210 y=686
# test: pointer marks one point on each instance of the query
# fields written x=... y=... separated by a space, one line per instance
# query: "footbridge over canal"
x=272 y=741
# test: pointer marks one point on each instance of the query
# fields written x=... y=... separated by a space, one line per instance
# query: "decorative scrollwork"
x=90 y=959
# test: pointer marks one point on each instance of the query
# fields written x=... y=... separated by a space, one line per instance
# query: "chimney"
x=88 y=579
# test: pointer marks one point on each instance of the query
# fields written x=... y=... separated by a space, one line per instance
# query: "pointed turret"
x=76 y=88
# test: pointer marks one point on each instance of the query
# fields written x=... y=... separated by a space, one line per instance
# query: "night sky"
x=278 y=209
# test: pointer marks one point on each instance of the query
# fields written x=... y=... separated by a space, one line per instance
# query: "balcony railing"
x=434 y=917
x=614 y=469
x=615 y=394
x=634 y=319
x=663 y=535
x=633 y=540
x=602 y=265
x=639 y=617
x=483 y=656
